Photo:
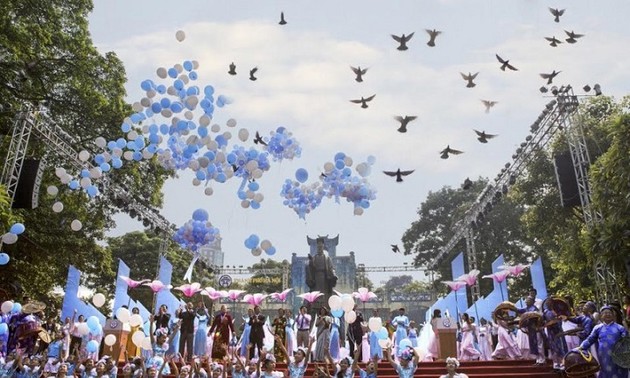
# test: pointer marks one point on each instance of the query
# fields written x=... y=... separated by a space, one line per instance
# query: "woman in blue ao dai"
x=605 y=335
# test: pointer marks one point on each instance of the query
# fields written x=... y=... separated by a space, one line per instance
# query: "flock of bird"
x=403 y=41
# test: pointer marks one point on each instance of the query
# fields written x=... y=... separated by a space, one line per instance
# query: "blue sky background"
x=305 y=83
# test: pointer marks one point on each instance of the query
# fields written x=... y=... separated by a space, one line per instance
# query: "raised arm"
x=278 y=341
x=388 y=353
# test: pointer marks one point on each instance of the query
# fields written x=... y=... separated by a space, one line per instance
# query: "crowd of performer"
x=196 y=342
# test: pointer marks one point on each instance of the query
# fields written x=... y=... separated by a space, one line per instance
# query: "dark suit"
x=256 y=333
x=355 y=334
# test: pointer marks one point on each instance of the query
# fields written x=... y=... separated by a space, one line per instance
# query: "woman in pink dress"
x=432 y=348
x=467 y=349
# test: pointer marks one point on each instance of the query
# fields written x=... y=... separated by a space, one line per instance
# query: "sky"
x=305 y=84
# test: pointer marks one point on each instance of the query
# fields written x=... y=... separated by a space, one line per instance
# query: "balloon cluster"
x=336 y=181
x=10 y=238
x=173 y=123
x=134 y=320
x=342 y=305
x=57 y=207
x=256 y=246
x=281 y=145
x=197 y=232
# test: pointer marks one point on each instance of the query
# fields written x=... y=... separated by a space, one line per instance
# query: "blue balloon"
x=146 y=85
x=156 y=107
x=161 y=89
x=208 y=90
x=200 y=215
x=4 y=329
x=382 y=333
x=178 y=84
x=105 y=167
x=4 y=260
x=255 y=205
x=253 y=186
x=192 y=75
x=337 y=313
x=172 y=73
x=16 y=308
x=92 y=346
x=340 y=156
x=340 y=164
x=74 y=185
x=271 y=251
x=17 y=229
x=92 y=322
x=301 y=175
x=252 y=241
x=92 y=191
x=188 y=66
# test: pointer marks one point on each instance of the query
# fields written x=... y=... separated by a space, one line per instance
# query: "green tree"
x=498 y=230
x=48 y=58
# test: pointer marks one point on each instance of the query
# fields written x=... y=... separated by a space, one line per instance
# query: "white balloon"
x=227 y=135
x=146 y=344
x=256 y=251
x=251 y=165
x=384 y=343
x=146 y=154
x=220 y=157
x=350 y=316
x=110 y=340
x=132 y=135
x=188 y=114
x=128 y=155
x=348 y=161
x=7 y=306
x=257 y=173
x=347 y=303
x=9 y=238
x=178 y=67
x=231 y=122
x=145 y=102
x=183 y=77
x=76 y=225
x=66 y=178
x=60 y=172
x=265 y=244
x=98 y=299
x=162 y=73
x=52 y=190
x=137 y=338
x=122 y=314
x=244 y=204
x=259 y=197
x=180 y=35
x=96 y=172
x=208 y=191
x=249 y=194
x=84 y=155
x=215 y=128
x=375 y=324
x=195 y=64
x=204 y=120
x=57 y=207
x=151 y=93
x=196 y=182
x=328 y=167
x=334 y=302
x=83 y=329
x=243 y=134
x=212 y=145
x=135 y=320
x=85 y=182
x=166 y=113
x=100 y=142
x=358 y=211
x=137 y=107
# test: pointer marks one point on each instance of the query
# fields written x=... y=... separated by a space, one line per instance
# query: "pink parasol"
x=232 y=294
x=281 y=296
x=498 y=277
x=515 y=270
x=133 y=284
x=455 y=285
x=311 y=296
x=211 y=293
x=189 y=289
x=469 y=278
x=364 y=294
x=255 y=299
x=157 y=286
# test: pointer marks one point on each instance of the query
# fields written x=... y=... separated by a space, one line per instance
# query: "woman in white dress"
x=485 y=340
x=432 y=349
x=467 y=349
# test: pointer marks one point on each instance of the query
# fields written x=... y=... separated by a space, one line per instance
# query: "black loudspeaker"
x=567 y=182
x=27 y=191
